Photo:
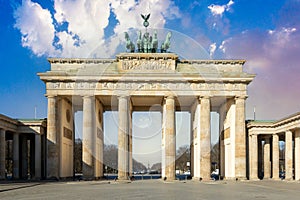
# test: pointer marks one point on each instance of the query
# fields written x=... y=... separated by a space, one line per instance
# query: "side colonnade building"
x=22 y=148
x=144 y=82
x=274 y=147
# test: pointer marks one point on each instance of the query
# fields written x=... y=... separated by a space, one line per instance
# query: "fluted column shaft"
x=52 y=139
x=297 y=155
x=254 y=158
x=170 y=134
x=88 y=135
x=267 y=163
x=288 y=155
x=275 y=157
x=240 y=138
x=2 y=154
x=16 y=156
x=123 y=132
x=130 y=141
x=205 y=139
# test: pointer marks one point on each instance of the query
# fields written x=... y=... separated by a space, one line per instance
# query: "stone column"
x=123 y=132
x=163 y=140
x=275 y=157
x=52 y=139
x=130 y=141
x=288 y=155
x=100 y=140
x=88 y=135
x=2 y=154
x=240 y=138
x=254 y=157
x=16 y=156
x=195 y=138
x=267 y=163
x=297 y=155
x=205 y=146
x=170 y=140
x=37 y=156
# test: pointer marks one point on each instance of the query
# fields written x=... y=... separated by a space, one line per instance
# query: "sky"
x=264 y=33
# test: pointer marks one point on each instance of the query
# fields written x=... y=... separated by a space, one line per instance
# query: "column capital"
x=204 y=97
x=50 y=96
x=123 y=96
x=288 y=131
x=297 y=133
x=169 y=97
x=241 y=97
x=88 y=96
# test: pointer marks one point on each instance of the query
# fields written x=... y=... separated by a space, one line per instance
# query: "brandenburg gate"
x=142 y=81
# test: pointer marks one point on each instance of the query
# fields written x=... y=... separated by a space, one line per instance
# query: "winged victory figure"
x=146 y=17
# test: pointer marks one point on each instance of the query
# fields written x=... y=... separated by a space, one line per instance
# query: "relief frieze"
x=147 y=65
x=144 y=86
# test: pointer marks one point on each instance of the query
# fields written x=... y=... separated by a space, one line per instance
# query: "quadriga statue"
x=129 y=45
x=166 y=44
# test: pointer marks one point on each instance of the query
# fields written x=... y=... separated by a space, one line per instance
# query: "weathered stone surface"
x=288 y=155
x=2 y=154
x=137 y=81
x=205 y=139
x=275 y=157
x=267 y=162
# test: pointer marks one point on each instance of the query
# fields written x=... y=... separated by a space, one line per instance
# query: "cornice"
x=79 y=61
x=215 y=62
x=138 y=56
x=274 y=124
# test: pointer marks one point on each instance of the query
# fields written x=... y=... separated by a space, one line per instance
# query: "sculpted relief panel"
x=165 y=65
x=159 y=86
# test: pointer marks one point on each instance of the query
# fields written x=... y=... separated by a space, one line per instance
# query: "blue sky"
x=265 y=33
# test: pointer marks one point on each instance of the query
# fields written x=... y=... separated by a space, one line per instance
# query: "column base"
x=168 y=178
x=123 y=178
x=241 y=178
x=288 y=179
x=254 y=179
x=276 y=179
x=201 y=179
x=235 y=178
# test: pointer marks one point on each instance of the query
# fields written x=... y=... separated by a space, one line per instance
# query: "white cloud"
x=222 y=47
x=36 y=27
x=78 y=26
x=218 y=10
x=212 y=49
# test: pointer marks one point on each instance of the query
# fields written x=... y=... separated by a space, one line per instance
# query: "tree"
x=137 y=166
x=156 y=167
x=215 y=152
x=183 y=155
x=78 y=156
x=110 y=158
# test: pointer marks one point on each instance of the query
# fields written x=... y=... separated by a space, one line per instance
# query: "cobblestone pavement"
x=151 y=189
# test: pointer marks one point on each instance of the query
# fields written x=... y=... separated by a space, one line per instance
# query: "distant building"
x=22 y=148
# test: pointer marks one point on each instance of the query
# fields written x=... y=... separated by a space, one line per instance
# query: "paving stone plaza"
x=152 y=189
